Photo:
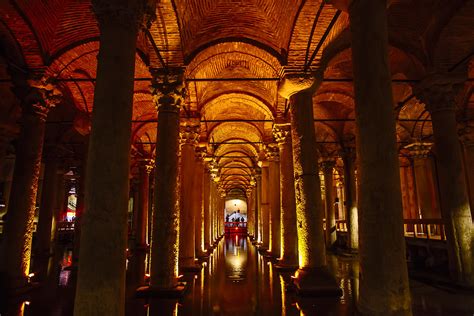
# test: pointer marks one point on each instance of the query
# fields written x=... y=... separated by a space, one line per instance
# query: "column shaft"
x=187 y=217
x=18 y=229
x=384 y=279
x=289 y=236
x=165 y=228
x=455 y=207
x=198 y=208
x=45 y=223
x=351 y=203
x=265 y=207
x=137 y=264
x=101 y=275
x=274 y=198
x=309 y=209
x=258 y=210
x=207 y=210
x=329 y=201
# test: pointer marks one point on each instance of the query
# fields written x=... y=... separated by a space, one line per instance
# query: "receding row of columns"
x=177 y=225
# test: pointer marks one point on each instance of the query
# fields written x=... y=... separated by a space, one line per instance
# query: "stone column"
x=384 y=286
x=250 y=209
x=198 y=205
x=258 y=208
x=7 y=133
x=168 y=89
x=220 y=211
x=206 y=209
x=212 y=206
x=466 y=134
x=424 y=187
x=101 y=275
x=265 y=207
x=289 y=237
x=352 y=221
x=44 y=234
x=331 y=234
x=312 y=277
x=80 y=175
x=274 y=199
x=137 y=264
x=19 y=225
x=57 y=248
x=187 y=231
x=438 y=93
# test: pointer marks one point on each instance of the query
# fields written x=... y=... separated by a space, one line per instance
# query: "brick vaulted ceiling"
x=237 y=39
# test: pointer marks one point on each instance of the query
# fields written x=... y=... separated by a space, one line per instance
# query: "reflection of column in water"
x=17 y=309
x=283 y=297
x=270 y=276
x=163 y=307
x=201 y=292
x=354 y=271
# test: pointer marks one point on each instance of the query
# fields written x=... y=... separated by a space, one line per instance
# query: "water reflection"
x=235 y=253
x=237 y=280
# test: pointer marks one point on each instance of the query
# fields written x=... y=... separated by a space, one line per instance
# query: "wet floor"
x=237 y=280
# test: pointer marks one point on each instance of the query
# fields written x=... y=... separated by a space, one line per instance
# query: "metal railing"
x=413 y=228
x=235 y=224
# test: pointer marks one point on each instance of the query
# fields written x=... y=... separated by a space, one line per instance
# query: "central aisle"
x=237 y=280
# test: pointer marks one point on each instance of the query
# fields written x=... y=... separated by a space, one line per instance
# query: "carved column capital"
x=282 y=133
x=168 y=89
x=438 y=91
x=419 y=149
x=201 y=153
x=293 y=82
x=146 y=165
x=189 y=134
x=38 y=96
x=327 y=165
x=348 y=154
x=272 y=153
x=221 y=191
x=137 y=14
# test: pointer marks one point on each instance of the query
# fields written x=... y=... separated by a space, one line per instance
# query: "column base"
x=262 y=248
x=285 y=267
x=195 y=268
x=316 y=282
x=174 y=292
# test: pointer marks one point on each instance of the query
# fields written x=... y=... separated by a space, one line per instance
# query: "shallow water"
x=237 y=280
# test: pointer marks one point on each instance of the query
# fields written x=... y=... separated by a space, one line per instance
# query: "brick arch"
x=200 y=19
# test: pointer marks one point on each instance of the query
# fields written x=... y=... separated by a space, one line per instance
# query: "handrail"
x=429 y=228
x=235 y=224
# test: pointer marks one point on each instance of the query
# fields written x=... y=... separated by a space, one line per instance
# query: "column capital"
x=419 y=149
x=222 y=192
x=272 y=153
x=348 y=153
x=138 y=14
x=327 y=165
x=38 y=96
x=282 y=133
x=248 y=192
x=438 y=91
x=189 y=134
x=146 y=164
x=168 y=89
x=201 y=153
x=466 y=134
x=292 y=83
